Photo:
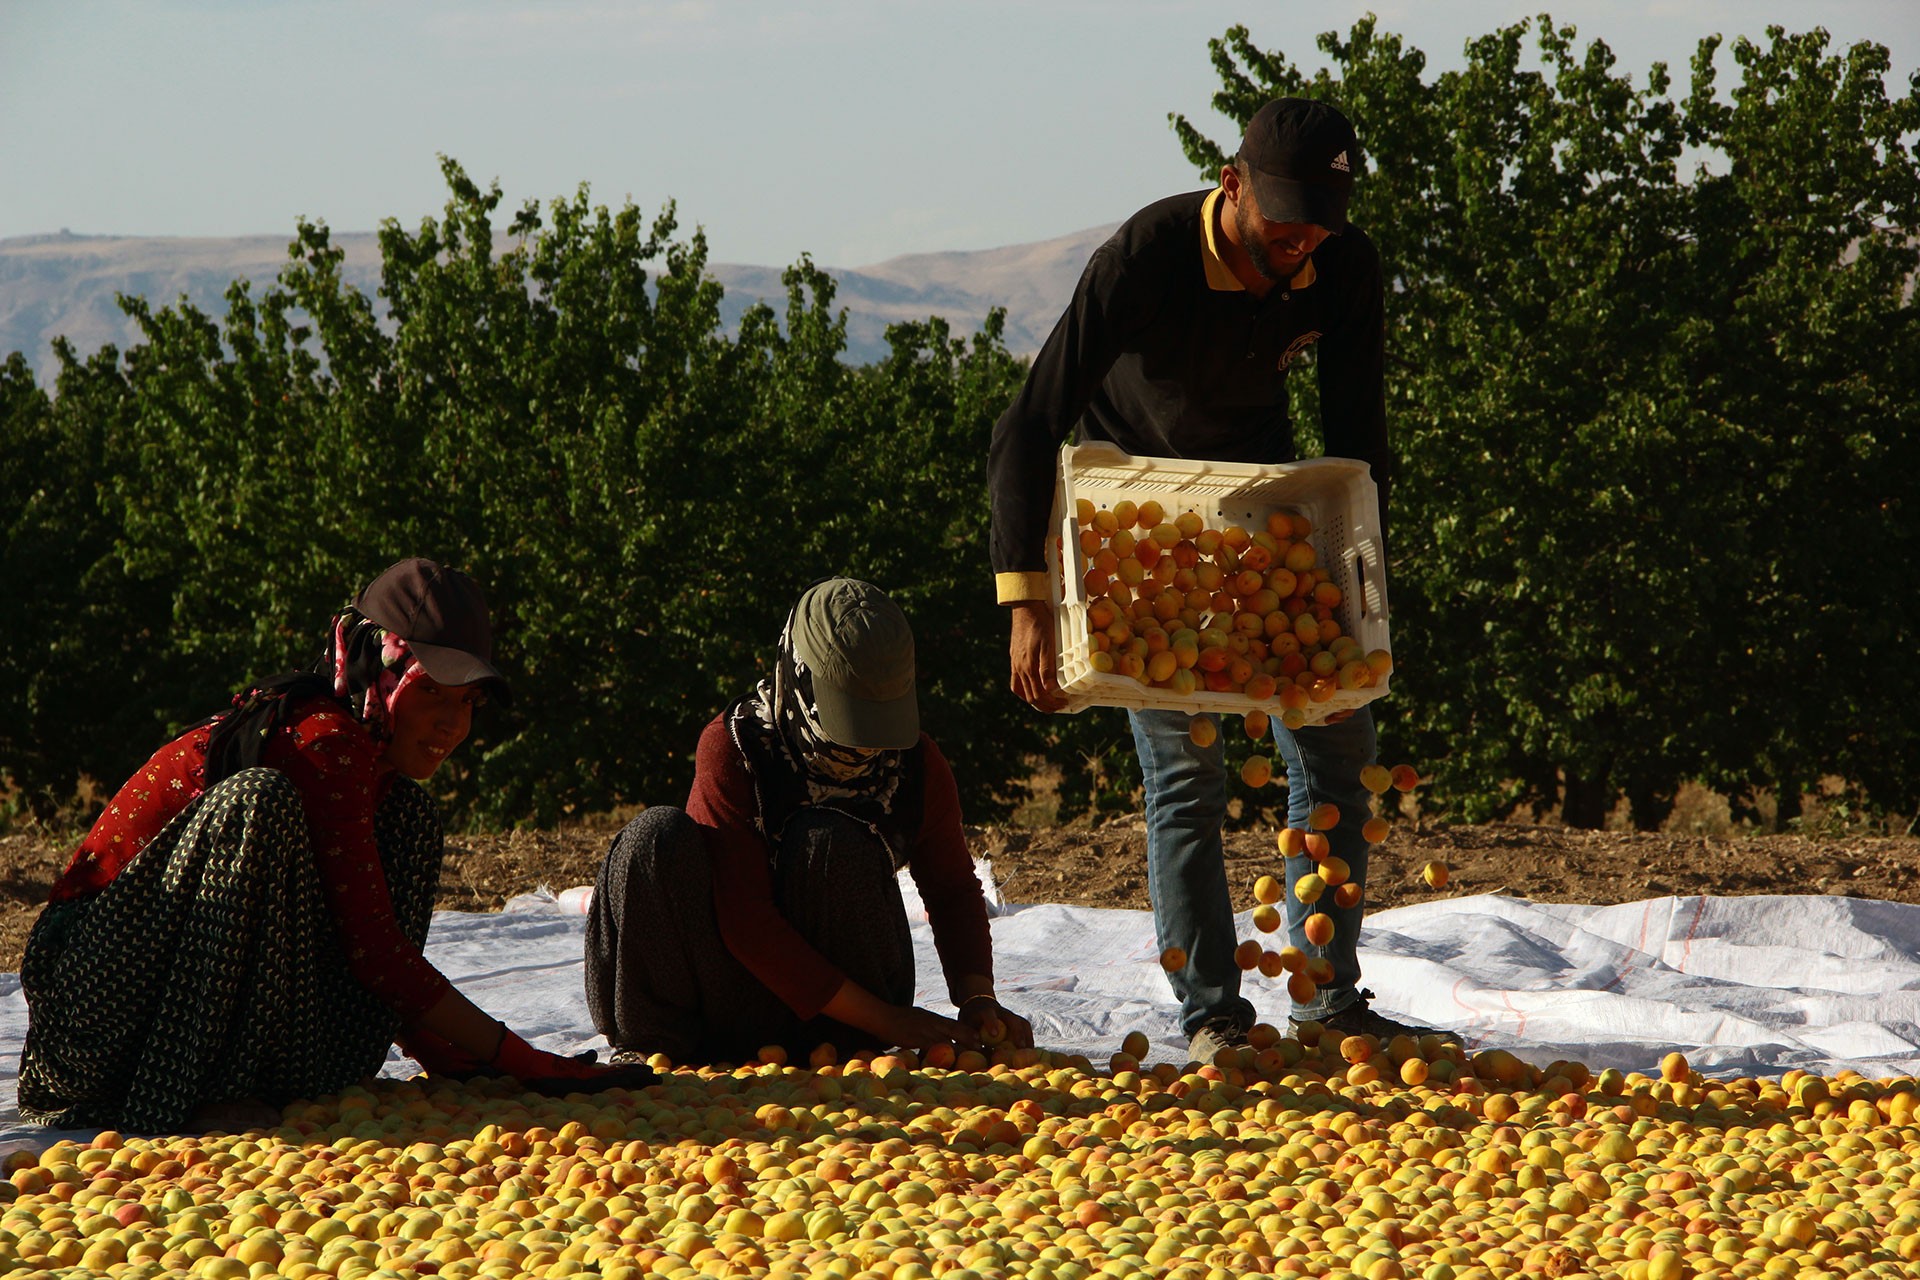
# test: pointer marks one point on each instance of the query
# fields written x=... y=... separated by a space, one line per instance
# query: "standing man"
x=1176 y=345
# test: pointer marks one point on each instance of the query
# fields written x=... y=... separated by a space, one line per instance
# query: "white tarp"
x=1744 y=986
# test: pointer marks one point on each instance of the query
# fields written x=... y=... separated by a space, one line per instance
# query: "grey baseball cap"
x=859 y=649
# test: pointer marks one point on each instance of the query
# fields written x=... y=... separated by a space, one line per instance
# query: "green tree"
x=1603 y=431
x=553 y=406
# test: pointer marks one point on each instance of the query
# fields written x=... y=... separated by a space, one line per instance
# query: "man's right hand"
x=1034 y=677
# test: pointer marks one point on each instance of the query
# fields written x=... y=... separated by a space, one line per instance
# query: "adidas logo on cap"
x=1340 y=163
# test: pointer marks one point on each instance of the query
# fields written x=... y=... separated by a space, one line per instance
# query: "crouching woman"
x=768 y=911
x=243 y=925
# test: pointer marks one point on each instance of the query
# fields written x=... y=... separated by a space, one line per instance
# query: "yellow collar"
x=1219 y=275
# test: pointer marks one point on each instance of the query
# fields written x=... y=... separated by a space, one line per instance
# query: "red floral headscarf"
x=365 y=666
x=371 y=668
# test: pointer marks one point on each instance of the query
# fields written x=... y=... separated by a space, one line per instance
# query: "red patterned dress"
x=259 y=939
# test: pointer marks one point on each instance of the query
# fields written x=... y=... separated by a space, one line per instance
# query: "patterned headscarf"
x=782 y=713
x=371 y=667
x=365 y=667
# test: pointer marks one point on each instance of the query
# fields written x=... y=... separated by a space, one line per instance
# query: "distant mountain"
x=65 y=284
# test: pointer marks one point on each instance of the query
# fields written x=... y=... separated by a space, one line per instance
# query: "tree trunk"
x=1584 y=801
x=1650 y=804
x=1786 y=803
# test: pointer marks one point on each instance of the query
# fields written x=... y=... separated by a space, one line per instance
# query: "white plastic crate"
x=1337 y=494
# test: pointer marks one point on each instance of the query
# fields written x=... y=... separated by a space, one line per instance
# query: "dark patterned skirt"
x=660 y=978
x=210 y=969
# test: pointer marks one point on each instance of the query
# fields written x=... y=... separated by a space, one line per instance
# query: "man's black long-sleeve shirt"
x=1164 y=353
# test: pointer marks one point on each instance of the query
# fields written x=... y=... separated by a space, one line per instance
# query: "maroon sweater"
x=723 y=801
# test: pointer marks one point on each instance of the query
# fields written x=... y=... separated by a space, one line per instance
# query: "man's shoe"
x=1213 y=1036
x=1361 y=1019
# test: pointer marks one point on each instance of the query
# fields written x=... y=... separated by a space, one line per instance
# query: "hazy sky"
x=851 y=129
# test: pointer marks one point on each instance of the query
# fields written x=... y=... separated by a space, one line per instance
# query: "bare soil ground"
x=1105 y=865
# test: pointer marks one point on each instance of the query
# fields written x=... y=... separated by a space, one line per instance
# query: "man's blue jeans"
x=1186 y=792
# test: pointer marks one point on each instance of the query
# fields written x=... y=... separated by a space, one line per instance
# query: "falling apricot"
x=1325 y=817
x=1405 y=777
x=1348 y=894
x=1203 y=731
x=1247 y=954
x=1257 y=771
x=1374 y=830
x=1435 y=874
x=1318 y=927
x=1173 y=959
x=1309 y=887
x=1318 y=846
x=1266 y=890
x=1292 y=842
x=1266 y=918
x=1335 y=870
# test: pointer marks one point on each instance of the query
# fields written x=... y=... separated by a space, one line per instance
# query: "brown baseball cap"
x=442 y=616
x=859 y=649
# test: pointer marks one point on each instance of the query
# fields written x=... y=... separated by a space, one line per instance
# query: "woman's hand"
x=895 y=1024
x=995 y=1024
x=557 y=1076
x=915 y=1028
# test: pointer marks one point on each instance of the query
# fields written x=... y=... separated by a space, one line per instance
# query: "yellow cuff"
x=1012 y=588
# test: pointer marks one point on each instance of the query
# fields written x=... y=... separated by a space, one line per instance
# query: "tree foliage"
x=643 y=496
x=1654 y=374
x=1653 y=394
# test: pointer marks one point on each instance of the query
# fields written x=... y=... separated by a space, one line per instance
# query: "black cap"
x=442 y=616
x=1301 y=156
